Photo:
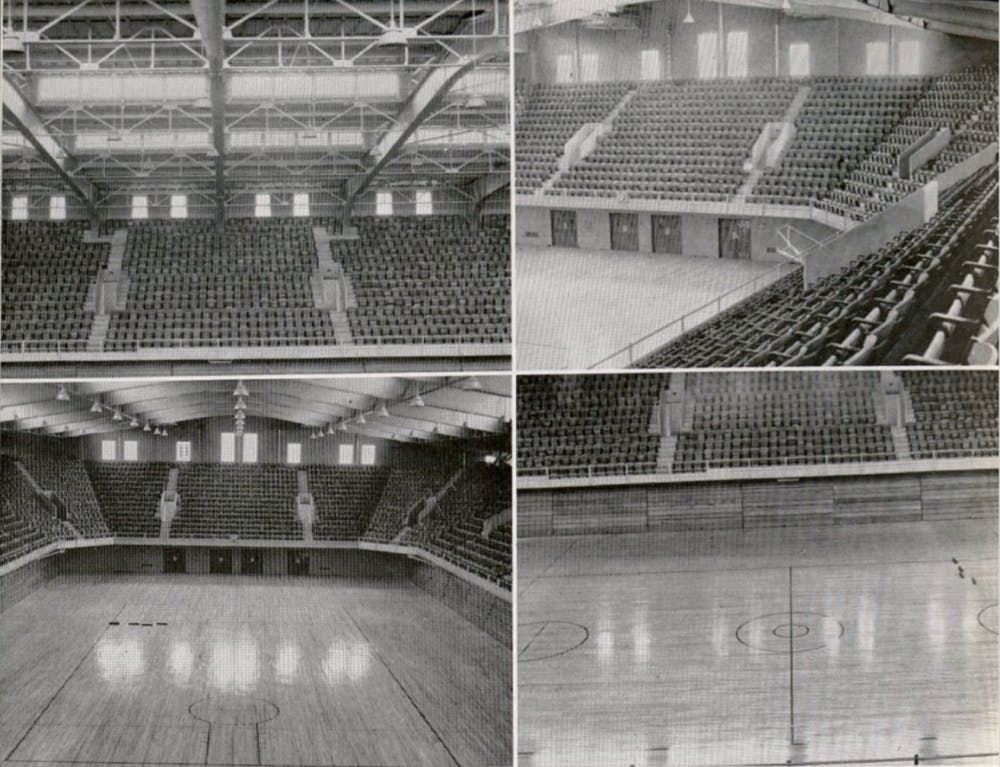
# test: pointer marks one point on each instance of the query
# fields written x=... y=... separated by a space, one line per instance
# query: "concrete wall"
x=482 y=609
x=734 y=505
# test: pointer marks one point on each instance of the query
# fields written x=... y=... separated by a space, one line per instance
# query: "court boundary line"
x=55 y=695
x=189 y=764
x=881 y=563
x=791 y=667
x=401 y=687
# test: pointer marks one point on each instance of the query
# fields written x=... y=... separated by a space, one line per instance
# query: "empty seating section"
x=404 y=488
x=855 y=316
x=965 y=102
x=191 y=286
x=680 y=140
x=580 y=425
x=453 y=530
x=48 y=271
x=429 y=279
x=25 y=522
x=67 y=479
x=782 y=419
x=249 y=502
x=548 y=116
x=344 y=499
x=129 y=496
x=841 y=121
x=954 y=413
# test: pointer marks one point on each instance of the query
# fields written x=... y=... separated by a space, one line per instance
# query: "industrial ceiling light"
x=240 y=404
x=329 y=428
x=117 y=415
x=417 y=401
x=312 y=435
x=786 y=5
x=241 y=390
x=361 y=418
x=163 y=432
x=133 y=423
x=383 y=412
x=96 y=407
x=157 y=432
x=688 y=18
x=147 y=427
x=62 y=395
x=476 y=101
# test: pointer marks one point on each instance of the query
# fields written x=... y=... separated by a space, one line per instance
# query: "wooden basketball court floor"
x=575 y=307
x=857 y=644
x=222 y=670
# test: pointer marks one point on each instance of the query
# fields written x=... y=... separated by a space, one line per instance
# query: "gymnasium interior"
x=256 y=571
x=757 y=568
x=271 y=187
x=755 y=183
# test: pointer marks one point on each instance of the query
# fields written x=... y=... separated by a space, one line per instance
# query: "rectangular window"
x=178 y=206
x=368 y=455
x=383 y=203
x=249 y=448
x=877 y=59
x=227 y=447
x=908 y=54
x=564 y=68
x=708 y=55
x=590 y=68
x=19 y=208
x=57 y=207
x=140 y=206
x=262 y=206
x=799 y=60
x=294 y=453
x=130 y=450
x=649 y=65
x=108 y=452
x=425 y=202
x=346 y=454
x=300 y=204
x=737 y=44
x=183 y=452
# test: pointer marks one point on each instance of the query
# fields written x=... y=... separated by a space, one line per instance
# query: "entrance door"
x=220 y=561
x=667 y=234
x=173 y=560
x=734 y=238
x=251 y=562
x=564 y=228
x=625 y=231
x=298 y=562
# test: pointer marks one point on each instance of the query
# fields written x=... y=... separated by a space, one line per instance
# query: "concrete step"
x=901 y=443
x=98 y=333
x=665 y=454
x=341 y=328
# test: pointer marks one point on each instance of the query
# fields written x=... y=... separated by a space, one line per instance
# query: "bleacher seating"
x=781 y=419
x=404 y=488
x=680 y=140
x=548 y=116
x=129 y=495
x=67 y=478
x=245 y=501
x=190 y=286
x=955 y=413
x=572 y=425
x=345 y=499
x=428 y=279
x=26 y=523
x=842 y=121
x=48 y=272
x=853 y=317
x=453 y=529
x=965 y=102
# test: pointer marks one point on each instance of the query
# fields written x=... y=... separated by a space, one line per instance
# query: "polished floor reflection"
x=858 y=644
x=254 y=671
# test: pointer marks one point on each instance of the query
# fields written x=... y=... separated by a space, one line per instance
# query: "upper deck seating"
x=955 y=413
x=48 y=273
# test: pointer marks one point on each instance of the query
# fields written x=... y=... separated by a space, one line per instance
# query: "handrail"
x=682 y=323
x=761 y=460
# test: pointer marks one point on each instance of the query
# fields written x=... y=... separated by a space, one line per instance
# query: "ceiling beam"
x=211 y=17
x=422 y=102
x=20 y=113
